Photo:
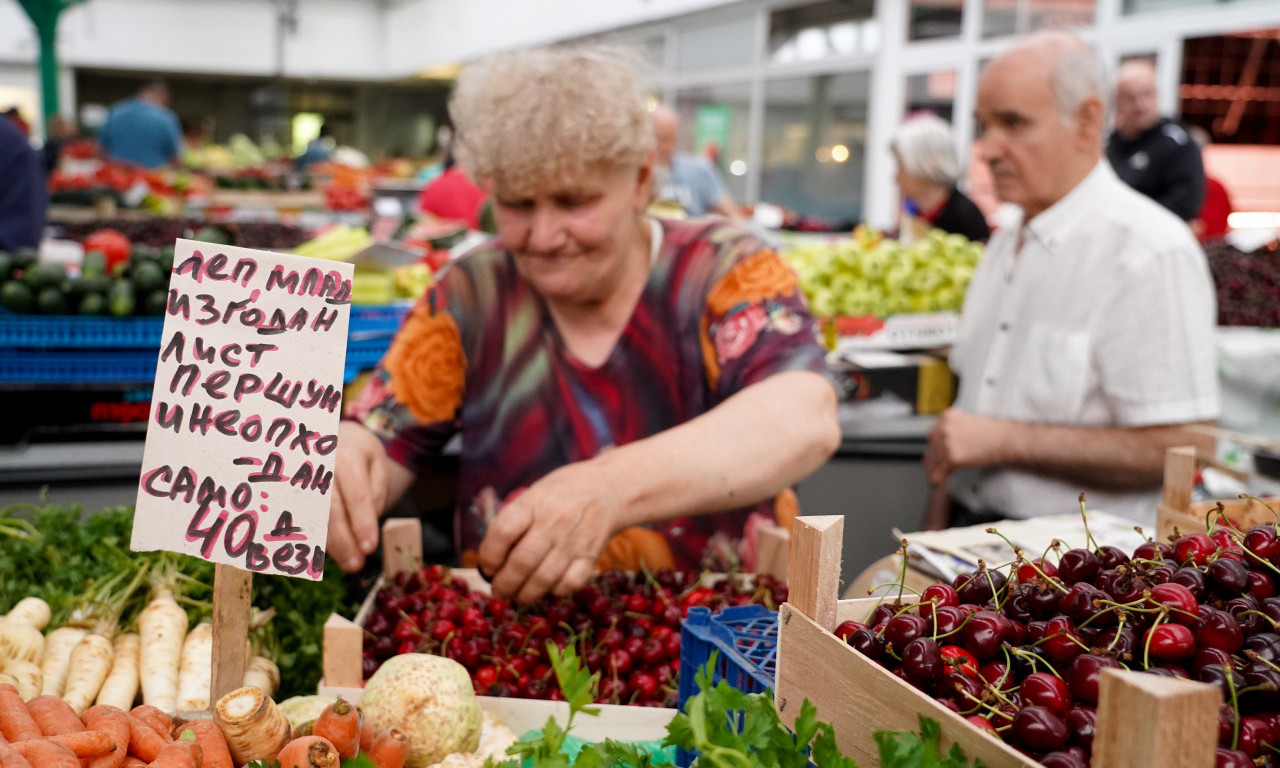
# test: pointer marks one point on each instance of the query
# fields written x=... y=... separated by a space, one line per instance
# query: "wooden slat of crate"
x=858 y=696
x=1178 y=511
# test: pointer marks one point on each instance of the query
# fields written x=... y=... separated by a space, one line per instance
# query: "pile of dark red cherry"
x=625 y=626
x=1021 y=657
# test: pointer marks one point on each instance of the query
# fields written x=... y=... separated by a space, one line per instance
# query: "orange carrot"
x=54 y=716
x=86 y=743
x=390 y=749
x=158 y=719
x=309 y=752
x=144 y=742
x=114 y=722
x=15 y=720
x=340 y=724
x=133 y=762
x=173 y=755
x=213 y=745
x=11 y=759
x=42 y=753
x=192 y=746
x=367 y=734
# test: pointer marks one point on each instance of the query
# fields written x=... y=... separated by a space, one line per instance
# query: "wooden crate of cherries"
x=1013 y=659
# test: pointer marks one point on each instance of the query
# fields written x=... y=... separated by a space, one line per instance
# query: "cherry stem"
x=1017 y=551
x=1251 y=497
x=1221 y=512
x=1084 y=517
x=1119 y=628
x=1046 y=578
x=1253 y=656
x=937 y=637
x=1274 y=624
x=1053 y=546
x=872 y=590
x=902 y=574
x=1146 y=645
x=995 y=593
x=1037 y=657
x=980 y=704
x=1235 y=705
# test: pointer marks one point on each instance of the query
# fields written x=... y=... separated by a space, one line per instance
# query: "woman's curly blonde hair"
x=547 y=115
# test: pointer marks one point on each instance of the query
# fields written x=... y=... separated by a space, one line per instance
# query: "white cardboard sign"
x=242 y=438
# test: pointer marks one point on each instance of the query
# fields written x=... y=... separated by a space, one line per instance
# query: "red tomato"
x=113 y=245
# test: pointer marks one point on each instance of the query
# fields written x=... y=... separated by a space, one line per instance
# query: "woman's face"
x=571 y=239
x=908 y=185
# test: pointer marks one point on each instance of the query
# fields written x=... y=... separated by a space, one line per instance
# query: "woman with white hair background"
x=928 y=171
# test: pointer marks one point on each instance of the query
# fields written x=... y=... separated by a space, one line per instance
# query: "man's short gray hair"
x=927 y=150
x=1078 y=74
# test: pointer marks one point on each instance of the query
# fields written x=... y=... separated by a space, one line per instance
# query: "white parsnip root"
x=253 y=725
x=90 y=664
x=121 y=686
x=27 y=673
x=262 y=673
x=58 y=645
x=33 y=611
x=162 y=626
x=20 y=640
x=195 y=674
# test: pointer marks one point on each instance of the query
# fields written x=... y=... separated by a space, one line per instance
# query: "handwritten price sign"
x=238 y=464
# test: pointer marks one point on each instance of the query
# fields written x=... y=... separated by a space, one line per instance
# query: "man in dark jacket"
x=1152 y=154
x=23 y=198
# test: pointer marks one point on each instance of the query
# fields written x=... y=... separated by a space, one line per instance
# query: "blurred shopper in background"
x=15 y=117
x=60 y=132
x=318 y=150
x=928 y=171
x=1211 y=224
x=1150 y=153
x=143 y=130
x=453 y=196
x=690 y=180
x=23 y=196
x=1087 y=341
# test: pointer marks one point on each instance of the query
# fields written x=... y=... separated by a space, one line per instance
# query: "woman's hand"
x=361 y=488
x=550 y=536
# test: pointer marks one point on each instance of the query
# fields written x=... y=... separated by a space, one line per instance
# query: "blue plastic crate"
x=128 y=366
x=73 y=332
x=38 y=332
x=745 y=639
x=81 y=366
x=376 y=320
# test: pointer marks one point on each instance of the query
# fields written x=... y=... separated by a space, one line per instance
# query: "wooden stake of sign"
x=232 y=588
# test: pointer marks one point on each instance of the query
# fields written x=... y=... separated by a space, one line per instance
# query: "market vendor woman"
x=648 y=384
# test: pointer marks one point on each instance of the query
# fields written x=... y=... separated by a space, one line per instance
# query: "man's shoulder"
x=1146 y=228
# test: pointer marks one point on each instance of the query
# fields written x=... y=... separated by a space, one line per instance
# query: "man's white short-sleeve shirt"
x=1103 y=315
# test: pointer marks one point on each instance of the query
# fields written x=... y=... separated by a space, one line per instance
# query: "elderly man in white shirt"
x=1087 y=342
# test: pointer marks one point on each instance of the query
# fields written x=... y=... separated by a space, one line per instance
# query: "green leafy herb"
x=733 y=729
x=361 y=760
x=903 y=749
x=67 y=556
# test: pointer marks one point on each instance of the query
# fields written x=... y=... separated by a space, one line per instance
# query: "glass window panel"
x=822 y=30
x=1018 y=17
x=933 y=92
x=714 y=123
x=1143 y=6
x=724 y=44
x=932 y=19
x=815 y=144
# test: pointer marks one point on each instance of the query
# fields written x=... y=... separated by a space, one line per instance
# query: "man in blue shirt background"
x=23 y=197
x=142 y=130
x=690 y=180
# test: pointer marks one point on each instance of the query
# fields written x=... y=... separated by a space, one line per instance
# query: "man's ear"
x=1090 y=116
